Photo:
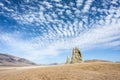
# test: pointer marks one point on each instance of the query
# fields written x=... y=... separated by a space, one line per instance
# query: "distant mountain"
x=96 y=60
x=9 y=60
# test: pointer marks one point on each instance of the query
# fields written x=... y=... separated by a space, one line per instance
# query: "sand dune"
x=83 y=71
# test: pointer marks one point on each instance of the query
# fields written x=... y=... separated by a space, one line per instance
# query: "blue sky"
x=45 y=31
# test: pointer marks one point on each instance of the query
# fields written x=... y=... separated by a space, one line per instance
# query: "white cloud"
x=31 y=49
x=8 y=1
x=114 y=2
x=79 y=3
x=40 y=48
x=41 y=8
x=47 y=4
x=57 y=0
x=59 y=5
x=87 y=5
x=92 y=37
x=54 y=15
x=48 y=17
x=68 y=12
x=27 y=0
x=1 y=4
x=58 y=34
x=72 y=4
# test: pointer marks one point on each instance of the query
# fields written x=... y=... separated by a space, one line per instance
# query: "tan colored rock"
x=68 y=60
x=76 y=56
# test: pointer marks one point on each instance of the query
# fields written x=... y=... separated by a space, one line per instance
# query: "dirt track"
x=83 y=71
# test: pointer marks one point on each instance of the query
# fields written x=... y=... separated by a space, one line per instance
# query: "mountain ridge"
x=10 y=60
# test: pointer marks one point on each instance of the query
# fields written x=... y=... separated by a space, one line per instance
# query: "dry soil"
x=81 y=71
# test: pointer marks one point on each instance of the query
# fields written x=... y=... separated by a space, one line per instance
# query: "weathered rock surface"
x=68 y=60
x=76 y=56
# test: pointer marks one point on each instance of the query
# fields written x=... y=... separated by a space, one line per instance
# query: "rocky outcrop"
x=76 y=57
x=68 y=60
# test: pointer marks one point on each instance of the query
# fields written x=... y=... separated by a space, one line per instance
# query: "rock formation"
x=68 y=60
x=76 y=57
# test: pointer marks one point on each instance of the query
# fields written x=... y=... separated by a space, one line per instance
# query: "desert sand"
x=81 y=71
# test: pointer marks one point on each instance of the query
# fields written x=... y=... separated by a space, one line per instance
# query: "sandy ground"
x=83 y=71
x=24 y=67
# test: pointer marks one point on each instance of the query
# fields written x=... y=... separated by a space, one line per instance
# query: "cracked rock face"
x=76 y=56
